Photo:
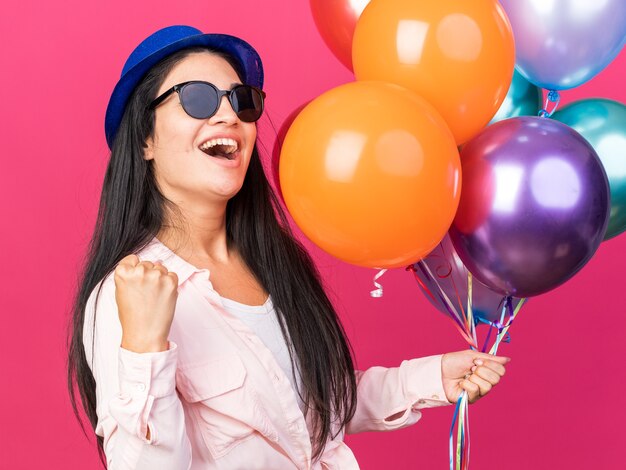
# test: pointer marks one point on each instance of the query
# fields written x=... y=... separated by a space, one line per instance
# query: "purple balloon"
x=560 y=44
x=534 y=205
x=450 y=274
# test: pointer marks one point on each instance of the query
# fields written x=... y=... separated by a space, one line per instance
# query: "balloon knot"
x=552 y=97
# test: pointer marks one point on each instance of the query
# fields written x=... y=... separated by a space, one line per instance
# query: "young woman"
x=202 y=337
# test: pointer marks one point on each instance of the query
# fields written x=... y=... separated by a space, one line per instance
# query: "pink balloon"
x=336 y=21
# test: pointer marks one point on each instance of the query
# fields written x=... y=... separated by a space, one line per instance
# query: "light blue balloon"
x=522 y=99
x=560 y=44
x=603 y=123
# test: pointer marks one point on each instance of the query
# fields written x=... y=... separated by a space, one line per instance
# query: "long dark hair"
x=132 y=211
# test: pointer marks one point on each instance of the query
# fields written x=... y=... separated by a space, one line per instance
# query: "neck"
x=197 y=231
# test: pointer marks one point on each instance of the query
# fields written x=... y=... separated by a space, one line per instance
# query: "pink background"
x=561 y=404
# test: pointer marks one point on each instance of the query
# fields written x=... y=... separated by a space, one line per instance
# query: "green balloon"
x=522 y=99
x=603 y=123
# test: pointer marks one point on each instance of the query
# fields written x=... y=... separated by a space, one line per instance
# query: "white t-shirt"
x=263 y=321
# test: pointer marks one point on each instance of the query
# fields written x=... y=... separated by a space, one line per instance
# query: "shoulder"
x=153 y=248
x=101 y=318
x=101 y=293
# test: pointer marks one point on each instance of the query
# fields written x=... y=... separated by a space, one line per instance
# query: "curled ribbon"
x=378 y=292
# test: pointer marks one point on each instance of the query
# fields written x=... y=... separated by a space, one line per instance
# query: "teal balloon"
x=522 y=99
x=603 y=123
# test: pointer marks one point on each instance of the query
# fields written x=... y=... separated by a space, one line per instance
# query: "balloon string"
x=504 y=330
x=454 y=314
x=553 y=97
x=378 y=292
x=460 y=327
x=421 y=283
x=467 y=434
x=495 y=325
x=502 y=336
x=492 y=325
x=441 y=293
x=459 y=438
x=456 y=290
x=459 y=457
x=507 y=307
x=456 y=415
x=470 y=311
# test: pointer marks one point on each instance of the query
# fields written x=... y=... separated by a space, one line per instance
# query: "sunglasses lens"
x=199 y=100
x=247 y=103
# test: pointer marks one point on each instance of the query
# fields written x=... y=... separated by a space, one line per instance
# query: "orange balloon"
x=458 y=54
x=278 y=145
x=371 y=174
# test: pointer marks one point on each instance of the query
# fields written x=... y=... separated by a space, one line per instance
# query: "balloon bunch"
x=371 y=170
x=536 y=200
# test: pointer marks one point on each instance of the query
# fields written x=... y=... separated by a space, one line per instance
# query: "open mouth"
x=220 y=148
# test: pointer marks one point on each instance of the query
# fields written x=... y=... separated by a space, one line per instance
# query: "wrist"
x=140 y=345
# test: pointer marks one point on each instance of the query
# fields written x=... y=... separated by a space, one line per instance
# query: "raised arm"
x=140 y=415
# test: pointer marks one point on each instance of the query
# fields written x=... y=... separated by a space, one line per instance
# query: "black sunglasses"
x=201 y=100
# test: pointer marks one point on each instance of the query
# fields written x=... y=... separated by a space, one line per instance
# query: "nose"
x=224 y=113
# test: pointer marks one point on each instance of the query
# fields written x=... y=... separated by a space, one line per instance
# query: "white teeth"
x=229 y=144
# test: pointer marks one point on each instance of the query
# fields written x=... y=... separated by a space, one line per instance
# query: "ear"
x=148 y=153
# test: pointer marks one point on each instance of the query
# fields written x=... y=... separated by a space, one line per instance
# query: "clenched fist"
x=146 y=294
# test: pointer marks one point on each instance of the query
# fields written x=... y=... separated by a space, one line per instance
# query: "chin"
x=226 y=193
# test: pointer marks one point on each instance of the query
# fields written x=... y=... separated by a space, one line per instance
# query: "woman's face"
x=185 y=169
